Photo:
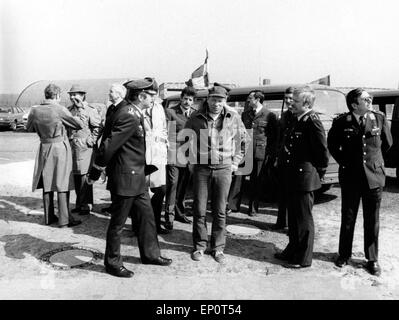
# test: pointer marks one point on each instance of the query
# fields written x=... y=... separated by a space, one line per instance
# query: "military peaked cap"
x=148 y=85
x=218 y=90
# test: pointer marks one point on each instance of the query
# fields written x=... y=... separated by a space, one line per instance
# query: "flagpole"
x=207 y=66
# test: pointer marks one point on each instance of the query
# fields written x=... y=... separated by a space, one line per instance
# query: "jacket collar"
x=226 y=112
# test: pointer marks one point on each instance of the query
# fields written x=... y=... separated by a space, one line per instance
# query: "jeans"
x=218 y=181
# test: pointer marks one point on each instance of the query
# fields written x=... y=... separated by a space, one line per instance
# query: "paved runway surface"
x=17 y=146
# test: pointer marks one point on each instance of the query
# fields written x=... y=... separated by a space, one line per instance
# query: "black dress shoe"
x=106 y=210
x=74 y=223
x=183 y=219
x=160 y=261
x=84 y=212
x=282 y=256
x=278 y=227
x=120 y=272
x=169 y=225
x=228 y=211
x=252 y=213
x=340 y=262
x=374 y=268
x=161 y=230
x=294 y=265
x=53 y=220
x=75 y=210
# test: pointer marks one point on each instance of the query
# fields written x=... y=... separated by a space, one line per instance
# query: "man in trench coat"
x=83 y=142
x=53 y=165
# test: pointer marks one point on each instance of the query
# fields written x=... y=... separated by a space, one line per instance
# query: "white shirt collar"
x=303 y=114
x=258 y=108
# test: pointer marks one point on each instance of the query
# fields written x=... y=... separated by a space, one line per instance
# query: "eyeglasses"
x=367 y=99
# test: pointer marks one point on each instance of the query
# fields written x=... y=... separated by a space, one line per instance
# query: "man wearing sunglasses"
x=357 y=141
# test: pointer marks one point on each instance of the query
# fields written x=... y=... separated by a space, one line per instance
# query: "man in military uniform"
x=357 y=141
x=284 y=124
x=122 y=152
x=82 y=143
x=177 y=174
x=264 y=125
x=305 y=161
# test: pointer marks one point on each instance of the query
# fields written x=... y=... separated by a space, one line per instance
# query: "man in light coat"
x=53 y=164
x=82 y=143
x=156 y=141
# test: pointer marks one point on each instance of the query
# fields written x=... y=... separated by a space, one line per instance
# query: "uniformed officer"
x=122 y=152
x=264 y=125
x=82 y=143
x=357 y=140
x=305 y=161
x=284 y=124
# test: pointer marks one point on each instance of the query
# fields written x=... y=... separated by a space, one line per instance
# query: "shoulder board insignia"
x=349 y=118
x=314 y=116
x=378 y=112
x=131 y=111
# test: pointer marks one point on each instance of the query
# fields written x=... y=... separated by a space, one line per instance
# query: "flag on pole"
x=200 y=77
x=325 y=80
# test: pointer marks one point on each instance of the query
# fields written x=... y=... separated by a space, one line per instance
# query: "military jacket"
x=284 y=124
x=264 y=126
x=360 y=150
x=122 y=150
x=305 y=153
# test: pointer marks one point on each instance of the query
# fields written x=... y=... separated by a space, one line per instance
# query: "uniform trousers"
x=281 y=200
x=235 y=193
x=300 y=227
x=255 y=185
x=157 y=202
x=64 y=215
x=177 y=179
x=139 y=207
x=371 y=200
x=84 y=192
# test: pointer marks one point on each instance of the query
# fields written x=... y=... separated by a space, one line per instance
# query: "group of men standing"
x=146 y=147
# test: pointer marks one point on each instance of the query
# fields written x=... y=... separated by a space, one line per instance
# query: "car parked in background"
x=387 y=101
x=329 y=103
x=11 y=117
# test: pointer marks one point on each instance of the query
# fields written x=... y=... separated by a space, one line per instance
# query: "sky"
x=286 y=41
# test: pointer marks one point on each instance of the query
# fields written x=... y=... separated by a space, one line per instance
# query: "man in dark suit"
x=305 y=161
x=357 y=140
x=122 y=152
x=264 y=125
x=177 y=173
x=284 y=124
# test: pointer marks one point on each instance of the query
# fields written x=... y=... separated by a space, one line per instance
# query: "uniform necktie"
x=361 y=122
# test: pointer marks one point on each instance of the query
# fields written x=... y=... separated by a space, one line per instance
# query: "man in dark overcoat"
x=284 y=124
x=263 y=122
x=177 y=173
x=357 y=141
